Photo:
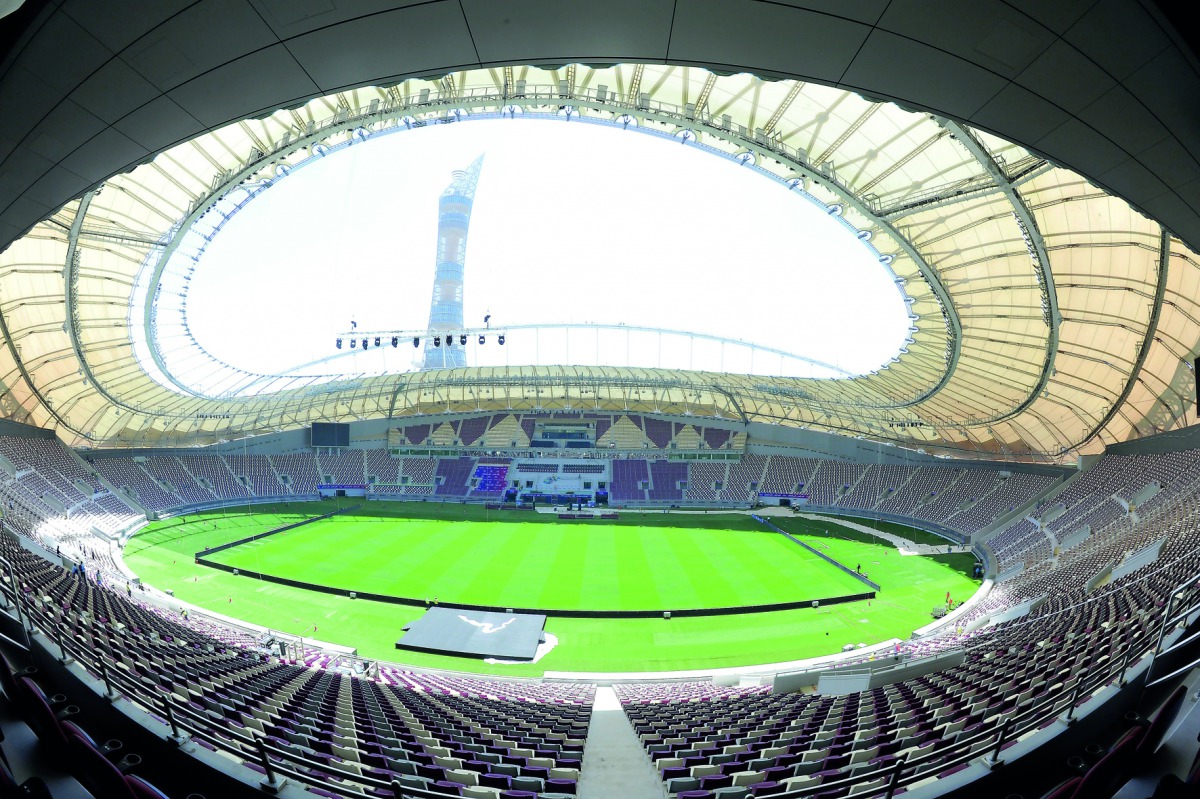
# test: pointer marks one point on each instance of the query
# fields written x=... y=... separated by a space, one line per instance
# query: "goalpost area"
x=738 y=592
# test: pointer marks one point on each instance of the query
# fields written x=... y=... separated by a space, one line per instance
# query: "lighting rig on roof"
x=441 y=338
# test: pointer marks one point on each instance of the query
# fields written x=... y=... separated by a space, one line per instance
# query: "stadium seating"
x=453 y=476
x=431 y=729
x=665 y=480
x=628 y=478
x=262 y=479
x=492 y=478
x=170 y=471
x=128 y=475
x=419 y=475
x=301 y=470
x=343 y=467
x=382 y=467
x=702 y=737
x=214 y=473
x=703 y=478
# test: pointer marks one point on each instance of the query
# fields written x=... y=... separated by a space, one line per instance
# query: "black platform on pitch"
x=509 y=636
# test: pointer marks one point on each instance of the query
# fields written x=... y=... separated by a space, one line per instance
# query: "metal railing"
x=1173 y=616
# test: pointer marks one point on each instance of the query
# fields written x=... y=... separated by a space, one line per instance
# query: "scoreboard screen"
x=330 y=434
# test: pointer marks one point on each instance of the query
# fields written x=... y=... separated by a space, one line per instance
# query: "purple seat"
x=953 y=770
x=711 y=782
x=766 y=788
x=322 y=792
x=560 y=786
x=1158 y=727
x=1110 y=771
x=491 y=780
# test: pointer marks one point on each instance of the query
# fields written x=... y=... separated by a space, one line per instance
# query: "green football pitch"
x=643 y=561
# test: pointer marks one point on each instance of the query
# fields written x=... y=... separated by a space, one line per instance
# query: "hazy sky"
x=571 y=223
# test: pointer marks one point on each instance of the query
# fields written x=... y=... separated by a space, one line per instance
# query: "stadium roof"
x=1052 y=316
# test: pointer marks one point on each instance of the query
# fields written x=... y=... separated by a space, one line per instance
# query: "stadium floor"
x=633 y=563
x=547 y=567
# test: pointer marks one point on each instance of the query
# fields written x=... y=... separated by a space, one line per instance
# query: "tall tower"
x=446 y=308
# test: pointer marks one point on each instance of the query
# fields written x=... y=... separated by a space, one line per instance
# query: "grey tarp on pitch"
x=511 y=636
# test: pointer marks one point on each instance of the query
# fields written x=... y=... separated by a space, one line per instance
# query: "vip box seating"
x=491 y=480
x=533 y=467
x=583 y=468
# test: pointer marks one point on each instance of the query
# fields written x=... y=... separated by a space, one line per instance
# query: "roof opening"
x=583 y=243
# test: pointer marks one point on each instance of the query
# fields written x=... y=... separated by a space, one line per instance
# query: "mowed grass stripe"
x=567 y=567
x=639 y=568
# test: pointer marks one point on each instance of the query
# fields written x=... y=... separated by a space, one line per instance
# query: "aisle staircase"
x=614 y=762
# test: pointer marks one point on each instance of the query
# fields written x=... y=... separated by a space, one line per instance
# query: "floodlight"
x=353 y=343
x=462 y=339
x=339 y=343
x=437 y=341
x=500 y=339
x=377 y=341
x=365 y=342
x=416 y=341
x=449 y=339
x=395 y=342
x=481 y=338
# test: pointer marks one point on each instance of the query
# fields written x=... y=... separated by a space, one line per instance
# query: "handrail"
x=1169 y=621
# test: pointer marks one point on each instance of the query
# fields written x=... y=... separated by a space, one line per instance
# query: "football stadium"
x=654 y=400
